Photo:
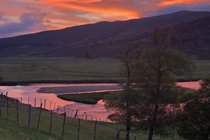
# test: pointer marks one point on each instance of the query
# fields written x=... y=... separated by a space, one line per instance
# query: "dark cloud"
x=29 y=22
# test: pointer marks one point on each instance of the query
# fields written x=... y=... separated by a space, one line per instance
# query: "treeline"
x=151 y=100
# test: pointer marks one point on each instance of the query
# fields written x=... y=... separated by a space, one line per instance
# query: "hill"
x=105 y=39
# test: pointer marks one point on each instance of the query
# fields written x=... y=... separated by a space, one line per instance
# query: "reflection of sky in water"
x=28 y=94
x=192 y=85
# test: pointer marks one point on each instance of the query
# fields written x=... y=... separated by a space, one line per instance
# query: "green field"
x=55 y=69
x=11 y=130
x=74 y=69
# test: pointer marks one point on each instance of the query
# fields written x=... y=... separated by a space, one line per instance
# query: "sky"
x=19 y=17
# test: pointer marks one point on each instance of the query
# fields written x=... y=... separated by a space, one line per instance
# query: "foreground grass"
x=75 y=69
x=87 y=98
x=11 y=130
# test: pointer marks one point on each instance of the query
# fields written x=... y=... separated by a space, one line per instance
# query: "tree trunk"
x=207 y=133
x=153 y=123
x=127 y=136
x=128 y=118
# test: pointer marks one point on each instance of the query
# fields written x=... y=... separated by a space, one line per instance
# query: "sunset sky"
x=28 y=16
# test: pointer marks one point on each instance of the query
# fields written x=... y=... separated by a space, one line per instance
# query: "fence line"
x=34 y=115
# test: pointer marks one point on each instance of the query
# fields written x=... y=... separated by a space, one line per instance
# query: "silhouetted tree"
x=155 y=80
x=124 y=103
x=193 y=123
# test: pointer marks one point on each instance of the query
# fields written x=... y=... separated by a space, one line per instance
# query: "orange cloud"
x=174 y=2
x=93 y=6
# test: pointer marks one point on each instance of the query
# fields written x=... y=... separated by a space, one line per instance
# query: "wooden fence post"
x=51 y=115
x=40 y=111
x=54 y=106
x=1 y=98
x=34 y=102
x=29 y=116
x=118 y=135
x=44 y=103
x=0 y=111
x=64 y=121
x=17 y=111
x=1 y=101
x=76 y=114
x=78 y=131
x=57 y=109
x=64 y=109
x=7 y=105
x=28 y=100
x=50 y=105
x=94 y=134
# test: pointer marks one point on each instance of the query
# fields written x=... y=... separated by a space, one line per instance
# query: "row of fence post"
x=117 y=137
x=74 y=113
x=39 y=117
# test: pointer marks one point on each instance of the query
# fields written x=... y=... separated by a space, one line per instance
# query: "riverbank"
x=25 y=83
x=15 y=83
x=95 y=97
x=85 y=98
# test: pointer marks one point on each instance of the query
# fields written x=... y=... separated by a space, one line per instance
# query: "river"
x=29 y=94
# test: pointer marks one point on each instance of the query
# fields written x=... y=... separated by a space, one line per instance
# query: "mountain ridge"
x=83 y=40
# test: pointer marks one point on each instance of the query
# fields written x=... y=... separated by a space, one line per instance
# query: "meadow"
x=75 y=70
x=58 y=69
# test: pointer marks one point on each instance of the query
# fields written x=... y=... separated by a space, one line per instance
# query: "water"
x=29 y=94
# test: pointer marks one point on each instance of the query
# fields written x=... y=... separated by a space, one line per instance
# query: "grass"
x=202 y=70
x=58 y=69
x=11 y=130
x=74 y=69
x=87 y=98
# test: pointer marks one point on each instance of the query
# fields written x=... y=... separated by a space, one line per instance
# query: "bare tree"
x=123 y=103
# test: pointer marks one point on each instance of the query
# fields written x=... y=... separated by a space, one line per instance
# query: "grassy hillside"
x=11 y=130
x=74 y=69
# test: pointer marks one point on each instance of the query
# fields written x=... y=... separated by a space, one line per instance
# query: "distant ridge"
x=105 y=39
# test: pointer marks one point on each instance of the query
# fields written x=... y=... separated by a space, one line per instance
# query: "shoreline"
x=25 y=83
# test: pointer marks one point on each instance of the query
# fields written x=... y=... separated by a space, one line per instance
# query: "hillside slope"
x=104 y=39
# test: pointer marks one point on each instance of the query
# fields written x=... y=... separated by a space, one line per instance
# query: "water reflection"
x=29 y=95
x=192 y=85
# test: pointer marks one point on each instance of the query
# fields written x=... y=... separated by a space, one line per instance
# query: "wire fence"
x=70 y=111
x=58 y=123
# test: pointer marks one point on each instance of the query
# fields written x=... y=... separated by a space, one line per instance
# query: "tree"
x=155 y=77
x=193 y=123
x=124 y=103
